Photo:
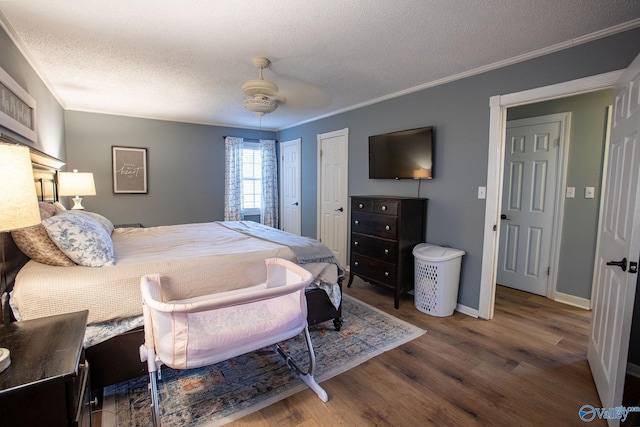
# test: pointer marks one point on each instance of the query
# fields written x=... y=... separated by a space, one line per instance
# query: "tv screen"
x=401 y=155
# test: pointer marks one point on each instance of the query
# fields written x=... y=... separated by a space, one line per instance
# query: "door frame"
x=497 y=132
x=298 y=144
x=558 y=200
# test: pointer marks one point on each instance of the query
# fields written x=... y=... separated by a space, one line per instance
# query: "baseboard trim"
x=633 y=369
x=467 y=310
x=572 y=300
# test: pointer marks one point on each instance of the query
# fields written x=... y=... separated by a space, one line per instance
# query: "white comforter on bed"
x=193 y=259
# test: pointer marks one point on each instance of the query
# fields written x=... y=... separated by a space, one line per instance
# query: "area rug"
x=220 y=393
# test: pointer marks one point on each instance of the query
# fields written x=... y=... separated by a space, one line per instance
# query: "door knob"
x=503 y=216
x=339 y=209
x=295 y=204
x=622 y=264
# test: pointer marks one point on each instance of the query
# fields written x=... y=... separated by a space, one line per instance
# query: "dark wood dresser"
x=47 y=381
x=384 y=231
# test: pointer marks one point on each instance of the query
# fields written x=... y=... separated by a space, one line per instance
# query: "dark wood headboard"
x=45 y=175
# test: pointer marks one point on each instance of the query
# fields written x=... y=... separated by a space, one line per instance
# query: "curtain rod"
x=246 y=139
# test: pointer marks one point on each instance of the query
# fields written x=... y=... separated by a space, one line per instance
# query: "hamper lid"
x=428 y=252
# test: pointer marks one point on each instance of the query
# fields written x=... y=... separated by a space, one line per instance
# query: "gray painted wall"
x=459 y=111
x=185 y=163
x=584 y=169
x=49 y=113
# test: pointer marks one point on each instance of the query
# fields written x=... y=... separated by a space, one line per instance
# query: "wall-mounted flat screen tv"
x=402 y=155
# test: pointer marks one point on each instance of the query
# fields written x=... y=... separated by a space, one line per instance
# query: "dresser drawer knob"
x=384 y=208
x=355 y=243
x=386 y=251
x=360 y=205
x=355 y=263
x=357 y=222
x=386 y=227
x=386 y=274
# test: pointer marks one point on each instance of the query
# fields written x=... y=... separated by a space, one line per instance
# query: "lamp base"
x=77 y=203
x=5 y=360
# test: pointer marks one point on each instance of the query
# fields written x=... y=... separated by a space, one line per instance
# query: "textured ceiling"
x=186 y=60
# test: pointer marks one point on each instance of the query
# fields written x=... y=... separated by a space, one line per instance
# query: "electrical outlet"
x=571 y=192
x=482 y=192
x=589 y=192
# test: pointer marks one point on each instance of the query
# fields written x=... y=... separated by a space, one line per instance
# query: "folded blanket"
x=310 y=253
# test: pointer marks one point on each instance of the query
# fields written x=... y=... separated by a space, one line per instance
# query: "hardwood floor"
x=525 y=367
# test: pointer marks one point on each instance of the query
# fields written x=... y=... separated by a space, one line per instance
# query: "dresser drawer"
x=373 y=247
x=377 y=225
x=378 y=271
x=361 y=205
x=385 y=207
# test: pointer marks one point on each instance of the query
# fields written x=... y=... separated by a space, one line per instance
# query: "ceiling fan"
x=263 y=94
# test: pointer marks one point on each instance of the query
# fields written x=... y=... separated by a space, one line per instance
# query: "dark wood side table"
x=47 y=383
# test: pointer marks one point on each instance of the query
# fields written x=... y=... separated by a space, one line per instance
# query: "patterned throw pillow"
x=35 y=243
x=104 y=222
x=81 y=238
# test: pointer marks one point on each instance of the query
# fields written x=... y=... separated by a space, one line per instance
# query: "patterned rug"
x=220 y=393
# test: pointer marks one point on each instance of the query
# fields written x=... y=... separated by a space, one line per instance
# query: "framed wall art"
x=129 y=170
x=17 y=108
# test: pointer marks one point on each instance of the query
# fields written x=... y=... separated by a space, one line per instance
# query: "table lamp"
x=19 y=208
x=76 y=184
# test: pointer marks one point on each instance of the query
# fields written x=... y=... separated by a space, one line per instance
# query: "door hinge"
x=548 y=271
x=495 y=227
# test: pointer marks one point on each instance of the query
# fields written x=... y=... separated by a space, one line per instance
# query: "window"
x=251 y=178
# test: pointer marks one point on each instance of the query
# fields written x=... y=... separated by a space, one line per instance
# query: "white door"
x=528 y=203
x=290 y=165
x=332 y=194
x=614 y=286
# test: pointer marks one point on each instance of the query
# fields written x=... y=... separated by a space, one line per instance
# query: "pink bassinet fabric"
x=212 y=328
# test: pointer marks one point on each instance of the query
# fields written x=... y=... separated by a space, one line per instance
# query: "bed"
x=193 y=260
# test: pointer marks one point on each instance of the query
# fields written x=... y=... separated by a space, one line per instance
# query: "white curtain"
x=269 y=205
x=233 y=179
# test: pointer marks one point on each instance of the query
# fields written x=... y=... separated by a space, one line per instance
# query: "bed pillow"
x=35 y=243
x=46 y=210
x=103 y=221
x=59 y=208
x=83 y=239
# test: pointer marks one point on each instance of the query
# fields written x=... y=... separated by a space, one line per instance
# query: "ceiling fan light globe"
x=259 y=86
x=260 y=105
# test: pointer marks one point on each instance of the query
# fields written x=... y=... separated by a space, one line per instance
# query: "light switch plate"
x=589 y=192
x=482 y=192
x=571 y=192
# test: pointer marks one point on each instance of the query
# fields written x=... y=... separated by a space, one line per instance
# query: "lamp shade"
x=17 y=190
x=76 y=184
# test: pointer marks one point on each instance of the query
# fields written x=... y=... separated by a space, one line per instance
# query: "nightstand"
x=47 y=383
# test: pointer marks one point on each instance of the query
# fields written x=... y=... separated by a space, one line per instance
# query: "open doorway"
x=566 y=274
x=498 y=117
